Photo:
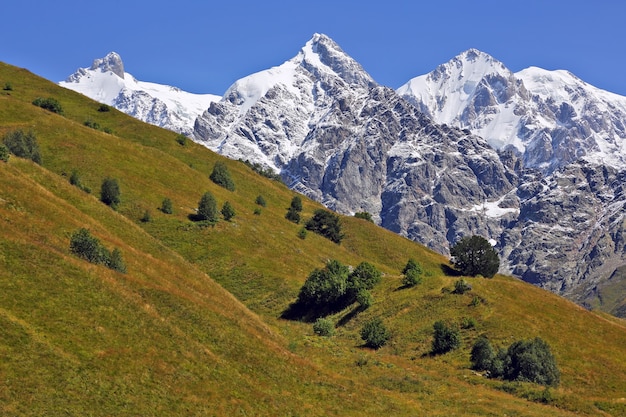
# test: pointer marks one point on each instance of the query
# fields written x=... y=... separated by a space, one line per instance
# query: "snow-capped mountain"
x=533 y=160
x=169 y=107
x=551 y=118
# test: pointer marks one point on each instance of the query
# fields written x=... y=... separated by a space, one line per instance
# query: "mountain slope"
x=161 y=105
x=166 y=339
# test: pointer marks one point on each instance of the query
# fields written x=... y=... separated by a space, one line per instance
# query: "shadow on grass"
x=449 y=271
x=307 y=313
x=350 y=315
x=200 y=221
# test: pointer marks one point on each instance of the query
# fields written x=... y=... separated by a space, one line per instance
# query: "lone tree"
x=221 y=176
x=110 y=192
x=228 y=211
x=531 y=360
x=4 y=153
x=326 y=224
x=293 y=212
x=412 y=273
x=166 y=206
x=475 y=256
x=207 y=208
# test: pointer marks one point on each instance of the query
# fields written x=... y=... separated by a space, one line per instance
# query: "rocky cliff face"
x=417 y=161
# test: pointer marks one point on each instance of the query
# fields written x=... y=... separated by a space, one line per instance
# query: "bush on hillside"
x=375 y=334
x=23 y=145
x=89 y=248
x=221 y=176
x=445 y=338
x=293 y=212
x=110 y=192
x=461 y=287
x=412 y=273
x=323 y=327
x=260 y=201
x=50 y=104
x=103 y=108
x=228 y=211
x=364 y=215
x=482 y=355
x=166 y=206
x=532 y=361
x=475 y=256
x=181 y=140
x=4 y=153
x=326 y=224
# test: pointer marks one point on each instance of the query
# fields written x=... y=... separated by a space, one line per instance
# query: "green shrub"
x=411 y=278
x=181 y=140
x=292 y=215
x=116 y=262
x=475 y=256
x=88 y=247
x=257 y=211
x=482 y=355
x=207 y=208
x=325 y=287
x=147 y=217
x=468 y=323
x=166 y=206
x=110 y=192
x=90 y=123
x=364 y=277
x=323 y=327
x=375 y=334
x=260 y=201
x=532 y=361
x=104 y=108
x=445 y=338
x=4 y=153
x=221 y=176
x=228 y=211
x=7 y=87
x=49 y=104
x=296 y=203
x=302 y=233
x=23 y=145
x=412 y=264
x=364 y=215
x=326 y=224
x=461 y=287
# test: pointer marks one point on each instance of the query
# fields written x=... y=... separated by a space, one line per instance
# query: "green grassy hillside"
x=194 y=327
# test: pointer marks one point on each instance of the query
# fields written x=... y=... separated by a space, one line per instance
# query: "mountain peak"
x=321 y=53
x=112 y=62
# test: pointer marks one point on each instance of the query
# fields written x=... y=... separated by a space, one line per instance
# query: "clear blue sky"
x=204 y=46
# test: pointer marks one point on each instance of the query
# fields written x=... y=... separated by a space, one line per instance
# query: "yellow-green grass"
x=165 y=339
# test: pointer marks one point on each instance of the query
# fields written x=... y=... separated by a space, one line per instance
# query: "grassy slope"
x=165 y=339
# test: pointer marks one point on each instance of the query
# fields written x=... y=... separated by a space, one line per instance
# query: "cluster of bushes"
x=524 y=360
x=88 y=247
x=96 y=126
x=50 y=104
x=364 y=215
x=207 y=210
x=76 y=182
x=335 y=287
x=23 y=145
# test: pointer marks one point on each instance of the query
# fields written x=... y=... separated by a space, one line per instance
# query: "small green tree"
x=364 y=299
x=75 y=179
x=260 y=201
x=445 y=338
x=4 y=153
x=103 y=108
x=23 y=145
x=364 y=278
x=166 y=206
x=326 y=224
x=207 y=208
x=323 y=327
x=482 y=355
x=8 y=86
x=412 y=273
x=475 y=256
x=302 y=233
x=325 y=287
x=228 y=211
x=375 y=334
x=110 y=192
x=296 y=203
x=221 y=176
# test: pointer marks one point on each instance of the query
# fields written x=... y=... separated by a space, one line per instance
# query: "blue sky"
x=204 y=46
